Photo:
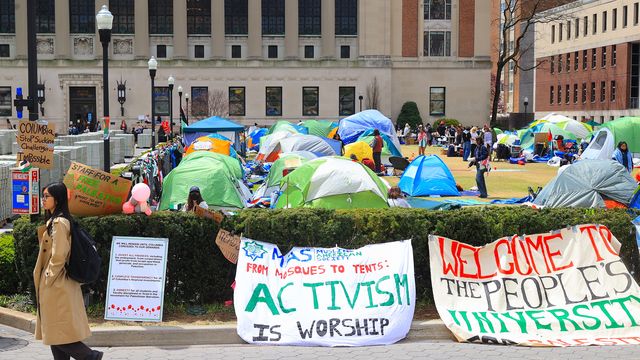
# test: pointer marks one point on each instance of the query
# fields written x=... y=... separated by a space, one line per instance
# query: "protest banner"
x=36 y=139
x=216 y=216
x=324 y=296
x=95 y=192
x=137 y=269
x=229 y=245
x=25 y=191
x=563 y=288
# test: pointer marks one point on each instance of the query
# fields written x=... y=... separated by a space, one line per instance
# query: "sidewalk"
x=189 y=334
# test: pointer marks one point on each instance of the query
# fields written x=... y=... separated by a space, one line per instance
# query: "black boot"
x=95 y=355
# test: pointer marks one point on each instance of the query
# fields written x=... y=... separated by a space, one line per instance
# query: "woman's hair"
x=395 y=193
x=621 y=143
x=195 y=198
x=479 y=140
x=376 y=132
x=58 y=192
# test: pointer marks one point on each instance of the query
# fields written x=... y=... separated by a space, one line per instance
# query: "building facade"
x=266 y=59
x=591 y=56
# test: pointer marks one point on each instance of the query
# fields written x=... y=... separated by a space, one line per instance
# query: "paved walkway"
x=19 y=345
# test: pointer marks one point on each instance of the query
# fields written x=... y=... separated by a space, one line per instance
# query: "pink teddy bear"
x=138 y=201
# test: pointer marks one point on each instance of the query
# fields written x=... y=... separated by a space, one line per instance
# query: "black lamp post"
x=180 y=112
x=171 y=82
x=153 y=66
x=122 y=94
x=526 y=103
x=41 y=96
x=32 y=65
x=360 y=98
x=104 y=20
x=186 y=98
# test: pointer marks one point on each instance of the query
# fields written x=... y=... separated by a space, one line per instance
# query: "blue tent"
x=352 y=127
x=214 y=124
x=254 y=138
x=428 y=175
x=387 y=141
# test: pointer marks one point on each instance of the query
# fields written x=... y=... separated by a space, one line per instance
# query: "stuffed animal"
x=138 y=201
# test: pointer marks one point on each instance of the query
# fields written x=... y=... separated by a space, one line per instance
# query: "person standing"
x=480 y=161
x=9 y=125
x=422 y=140
x=123 y=126
x=61 y=320
x=377 y=150
x=623 y=156
x=488 y=138
x=466 y=144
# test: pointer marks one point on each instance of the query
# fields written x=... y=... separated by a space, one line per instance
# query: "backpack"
x=84 y=261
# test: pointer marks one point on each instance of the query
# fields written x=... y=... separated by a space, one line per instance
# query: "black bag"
x=84 y=261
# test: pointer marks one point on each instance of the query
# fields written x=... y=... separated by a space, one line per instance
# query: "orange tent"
x=206 y=143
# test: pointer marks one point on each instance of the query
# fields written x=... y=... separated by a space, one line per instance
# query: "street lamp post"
x=180 y=112
x=104 y=20
x=360 y=98
x=41 y=96
x=153 y=66
x=526 y=103
x=186 y=98
x=171 y=82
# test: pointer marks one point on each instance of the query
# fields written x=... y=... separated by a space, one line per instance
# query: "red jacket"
x=377 y=144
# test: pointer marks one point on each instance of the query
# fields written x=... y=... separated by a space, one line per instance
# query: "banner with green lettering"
x=324 y=296
x=563 y=288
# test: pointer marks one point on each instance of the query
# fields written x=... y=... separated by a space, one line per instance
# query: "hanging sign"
x=36 y=139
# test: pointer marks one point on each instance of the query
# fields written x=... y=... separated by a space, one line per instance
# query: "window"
x=4 y=51
x=346 y=17
x=161 y=51
x=272 y=17
x=603 y=91
x=568 y=66
x=584 y=59
x=625 y=16
x=576 y=61
x=236 y=51
x=567 y=94
x=310 y=106
x=586 y=25
x=437 y=9
x=309 y=12
x=237 y=101
x=5 y=101
x=577 y=22
x=593 y=91
x=272 y=52
x=553 y=34
x=345 y=52
x=559 y=94
x=584 y=93
x=273 y=101
x=575 y=93
x=604 y=56
x=82 y=16
x=559 y=63
x=614 y=55
x=594 y=56
x=437 y=101
x=614 y=19
x=46 y=16
x=613 y=91
x=309 y=52
x=568 y=29
x=236 y=17
x=198 y=52
x=7 y=16
x=560 y=33
x=635 y=14
x=161 y=100
x=199 y=17
x=124 y=21
x=437 y=43
x=551 y=95
x=346 y=100
x=200 y=101
x=160 y=16
x=552 y=64
x=595 y=24
x=604 y=21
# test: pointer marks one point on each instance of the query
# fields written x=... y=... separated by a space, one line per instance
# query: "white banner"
x=563 y=288
x=324 y=296
x=135 y=291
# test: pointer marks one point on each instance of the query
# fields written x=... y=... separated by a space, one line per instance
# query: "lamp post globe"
x=153 y=67
x=186 y=98
x=171 y=81
x=526 y=103
x=104 y=21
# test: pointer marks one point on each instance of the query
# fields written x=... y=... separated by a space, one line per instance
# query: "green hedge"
x=9 y=281
x=197 y=271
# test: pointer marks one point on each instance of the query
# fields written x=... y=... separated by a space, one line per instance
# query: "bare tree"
x=373 y=94
x=518 y=17
x=218 y=103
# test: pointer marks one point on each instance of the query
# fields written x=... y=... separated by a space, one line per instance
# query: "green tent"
x=498 y=131
x=285 y=126
x=289 y=160
x=332 y=183
x=320 y=128
x=527 y=137
x=215 y=174
x=626 y=129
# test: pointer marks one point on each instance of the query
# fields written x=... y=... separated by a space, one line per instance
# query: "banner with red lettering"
x=563 y=288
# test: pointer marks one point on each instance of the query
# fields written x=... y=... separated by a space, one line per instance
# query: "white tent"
x=565 y=123
x=601 y=147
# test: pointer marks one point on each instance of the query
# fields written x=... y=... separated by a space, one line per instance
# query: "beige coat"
x=62 y=318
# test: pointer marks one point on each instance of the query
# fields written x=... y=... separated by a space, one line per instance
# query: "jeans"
x=466 y=150
x=482 y=187
x=76 y=350
x=377 y=161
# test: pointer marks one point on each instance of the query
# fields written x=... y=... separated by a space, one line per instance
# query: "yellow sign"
x=36 y=138
x=94 y=192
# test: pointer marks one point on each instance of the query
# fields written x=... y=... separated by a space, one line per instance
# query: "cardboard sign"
x=36 y=139
x=229 y=244
x=94 y=192
x=25 y=189
x=563 y=288
x=209 y=214
x=324 y=296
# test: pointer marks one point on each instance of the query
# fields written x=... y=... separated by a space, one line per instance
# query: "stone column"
x=328 y=22
x=141 y=37
x=21 y=29
x=255 y=29
x=217 y=29
x=180 y=41
x=291 y=44
x=63 y=42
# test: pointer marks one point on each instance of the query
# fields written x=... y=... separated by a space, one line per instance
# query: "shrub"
x=409 y=114
x=447 y=122
x=197 y=272
x=9 y=281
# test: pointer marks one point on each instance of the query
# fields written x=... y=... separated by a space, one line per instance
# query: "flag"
x=550 y=137
x=183 y=117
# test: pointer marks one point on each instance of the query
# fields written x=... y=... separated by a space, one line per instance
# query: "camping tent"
x=601 y=147
x=360 y=149
x=527 y=137
x=626 y=129
x=389 y=148
x=270 y=146
x=312 y=143
x=579 y=129
x=587 y=184
x=218 y=177
x=286 y=161
x=284 y=125
x=333 y=183
x=215 y=143
x=214 y=124
x=428 y=175
x=320 y=128
x=253 y=139
x=352 y=127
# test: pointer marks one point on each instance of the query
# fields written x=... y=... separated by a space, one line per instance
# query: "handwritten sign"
x=229 y=245
x=36 y=139
x=563 y=288
x=216 y=216
x=95 y=192
x=324 y=296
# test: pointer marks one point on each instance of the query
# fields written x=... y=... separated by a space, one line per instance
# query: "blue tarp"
x=255 y=137
x=210 y=125
x=635 y=201
x=428 y=175
x=352 y=127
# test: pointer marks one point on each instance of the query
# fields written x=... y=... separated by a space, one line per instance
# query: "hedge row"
x=197 y=272
x=9 y=281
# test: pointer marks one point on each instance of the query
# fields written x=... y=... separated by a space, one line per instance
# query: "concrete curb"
x=189 y=334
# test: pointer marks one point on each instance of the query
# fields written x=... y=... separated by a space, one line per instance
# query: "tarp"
x=214 y=124
x=312 y=143
x=586 y=184
x=601 y=146
x=428 y=175
x=626 y=129
x=253 y=140
x=352 y=127
x=216 y=175
x=320 y=128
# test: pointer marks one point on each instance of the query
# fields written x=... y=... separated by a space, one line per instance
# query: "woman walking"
x=62 y=320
